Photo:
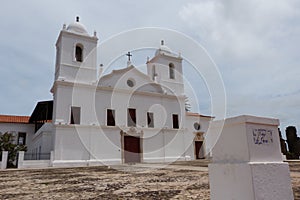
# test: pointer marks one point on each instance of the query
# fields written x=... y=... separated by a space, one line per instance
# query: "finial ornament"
x=64 y=26
x=77 y=18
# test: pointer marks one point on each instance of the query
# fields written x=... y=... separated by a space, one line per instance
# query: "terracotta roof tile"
x=14 y=119
x=197 y=115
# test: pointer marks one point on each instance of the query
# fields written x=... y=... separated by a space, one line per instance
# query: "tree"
x=293 y=142
x=7 y=143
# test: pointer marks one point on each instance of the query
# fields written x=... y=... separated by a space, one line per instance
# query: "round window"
x=197 y=126
x=130 y=83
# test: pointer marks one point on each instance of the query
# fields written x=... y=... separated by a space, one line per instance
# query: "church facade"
x=125 y=116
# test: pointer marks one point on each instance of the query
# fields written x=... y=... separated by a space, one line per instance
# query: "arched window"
x=78 y=53
x=172 y=71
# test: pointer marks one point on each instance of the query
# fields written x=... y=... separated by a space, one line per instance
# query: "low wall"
x=85 y=163
x=165 y=159
x=35 y=164
x=23 y=164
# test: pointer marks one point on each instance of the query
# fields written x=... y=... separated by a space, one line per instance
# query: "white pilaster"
x=20 y=159
x=4 y=159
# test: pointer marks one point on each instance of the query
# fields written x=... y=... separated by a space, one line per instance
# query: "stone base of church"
x=104 y=162
x=85 y=163
x=107 y=162
x=164 y=159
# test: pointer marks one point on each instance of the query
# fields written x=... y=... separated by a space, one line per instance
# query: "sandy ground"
x=181 y=180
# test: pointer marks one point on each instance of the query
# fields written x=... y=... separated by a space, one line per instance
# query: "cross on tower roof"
x=129 y=55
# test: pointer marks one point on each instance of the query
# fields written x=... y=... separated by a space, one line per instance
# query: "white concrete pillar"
x=247 y=162
x=4 y=159
x=51 y=158
x=20 y=159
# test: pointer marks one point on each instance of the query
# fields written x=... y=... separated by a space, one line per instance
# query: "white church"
x=125 y=116
x=128 y=116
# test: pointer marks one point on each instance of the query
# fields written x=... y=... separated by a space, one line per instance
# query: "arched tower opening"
x=171 y=71
x=79 y=52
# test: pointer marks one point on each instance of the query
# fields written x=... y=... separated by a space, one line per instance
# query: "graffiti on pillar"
x=262 y=136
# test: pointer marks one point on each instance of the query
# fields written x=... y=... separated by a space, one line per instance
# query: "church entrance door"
x=132 y=149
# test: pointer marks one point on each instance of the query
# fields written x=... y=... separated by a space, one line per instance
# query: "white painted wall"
x=42 y=140
x=161 y=63
x=15 y=128
x=104 y=144
x=153 y=144
x=191 y=132
x=233 y=135
x=23 y=164
x=247 y=165
x=92 y=139
x=67 y=68
x=35 y=164
x=71 y=144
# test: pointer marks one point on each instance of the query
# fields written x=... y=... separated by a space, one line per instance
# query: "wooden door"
x=198 y=145
x=132 y=149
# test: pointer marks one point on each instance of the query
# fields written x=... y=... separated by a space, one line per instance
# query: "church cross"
x=129 y=55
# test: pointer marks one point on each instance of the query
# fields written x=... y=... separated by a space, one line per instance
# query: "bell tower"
x=76 y=55
x=75 y=75
x=165 y=68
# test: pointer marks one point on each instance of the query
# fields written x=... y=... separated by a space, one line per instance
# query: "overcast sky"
x=255 y=45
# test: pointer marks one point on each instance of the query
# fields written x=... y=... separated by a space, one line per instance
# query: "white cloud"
x=240 y=28
x=254 y=44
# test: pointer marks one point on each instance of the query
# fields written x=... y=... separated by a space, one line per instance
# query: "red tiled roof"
x=197 y=115
x=14 y=119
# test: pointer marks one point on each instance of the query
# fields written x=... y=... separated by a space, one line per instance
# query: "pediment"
x=130 y=78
